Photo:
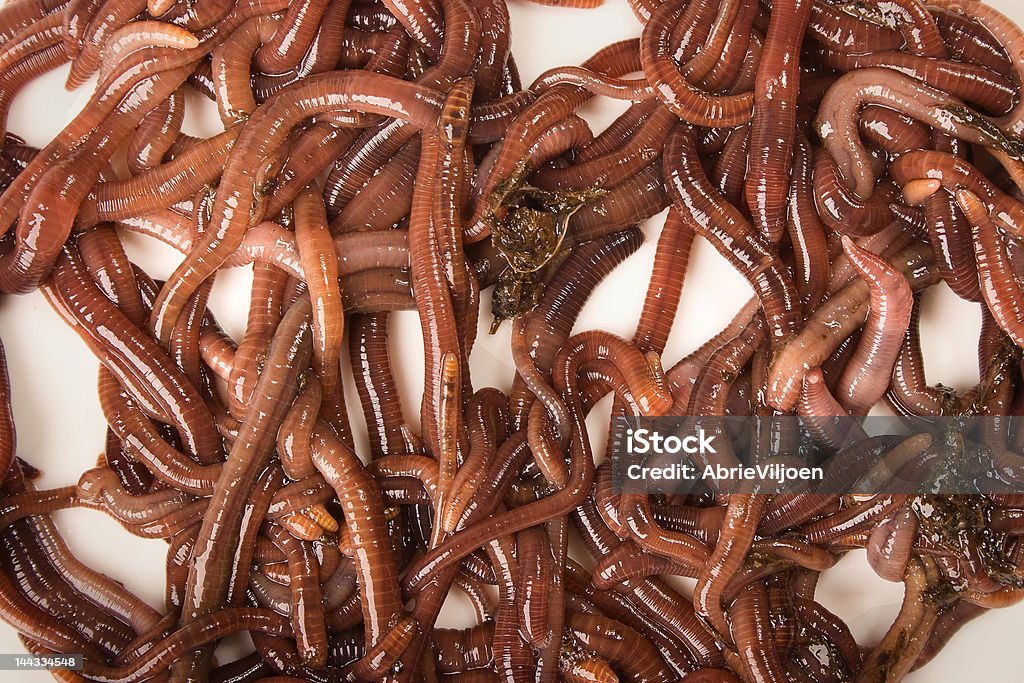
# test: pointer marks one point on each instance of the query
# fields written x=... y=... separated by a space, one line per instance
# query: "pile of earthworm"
x=379 y=156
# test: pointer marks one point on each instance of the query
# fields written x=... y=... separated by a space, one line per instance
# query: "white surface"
x=61 y=428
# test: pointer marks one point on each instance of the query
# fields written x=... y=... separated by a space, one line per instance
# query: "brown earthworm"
x=999 y=286
x=866 y=377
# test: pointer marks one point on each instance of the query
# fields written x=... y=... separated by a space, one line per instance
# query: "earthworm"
x=731 y=234
x=318 y=256
x=774 y=120
x=619 y=644
x=999 y=286
x=671 y=86
x=665 y=288
x=289 y=353
x=866 y=377
x=131 y=356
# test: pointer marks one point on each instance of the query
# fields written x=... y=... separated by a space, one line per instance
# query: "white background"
x=61 y=428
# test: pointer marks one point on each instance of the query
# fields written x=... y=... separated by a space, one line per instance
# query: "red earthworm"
x=460 y=650
x=853 y=518
x=230 y=63
x=534 y=120
x=472 y=590
x=376 y=383
x=286 y=359
x=989 y=90
x=731 y=234
x=434 y=300
x=38 y=625
x=32 y=503
x=293 y=437
x=617 y=606
x=839 y=30
x=968 y=40
x=615 y=167
x=891 y=543
x=563 y=136
x=306 y=604
x=242 y=670
x=363 y=514
x=457 y=546
x=256 y=509
x=817 y=402
x=156 y=134
x=752 y=631
x=619 y=644
x=494 y=51
x=635 y=90
x=134 y=355
x=628 y=562
x=867 y=374
x=386 y=198
x=453 y=175
x=841 y=210
x=918 y=614
x=731 y=166
x=28 y=55
x=8 y=436
x=618 y=131
x=352 y=170
x=773 y=125
x=313 y=150
x=631 y=201
x=108 y=264
x=532 y=597
x=837 y=317
x=170 y=182
x=139 y=35
x=18 y=15
x=805 y=230
x=292 y=39
x=511 y=654
x=711 y=386
x=265 y=311
x=916 y=24
x=145 y=443
x=836 y=121
x=246 y=173
x=39 y=582
x=487 y=425
x=734 y=541
x=100 y=487
x=892 y=131
x=999 y=286
x=320 y=263
x=682 y=376
x=948 y=623
x=672 y=87
x=665 y=287
x=1008 y=36
x=109 y=17
x=198 y=633
x=725 y=71
x=949 y=235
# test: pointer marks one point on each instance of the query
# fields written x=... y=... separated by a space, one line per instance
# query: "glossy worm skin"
x=385 y=157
